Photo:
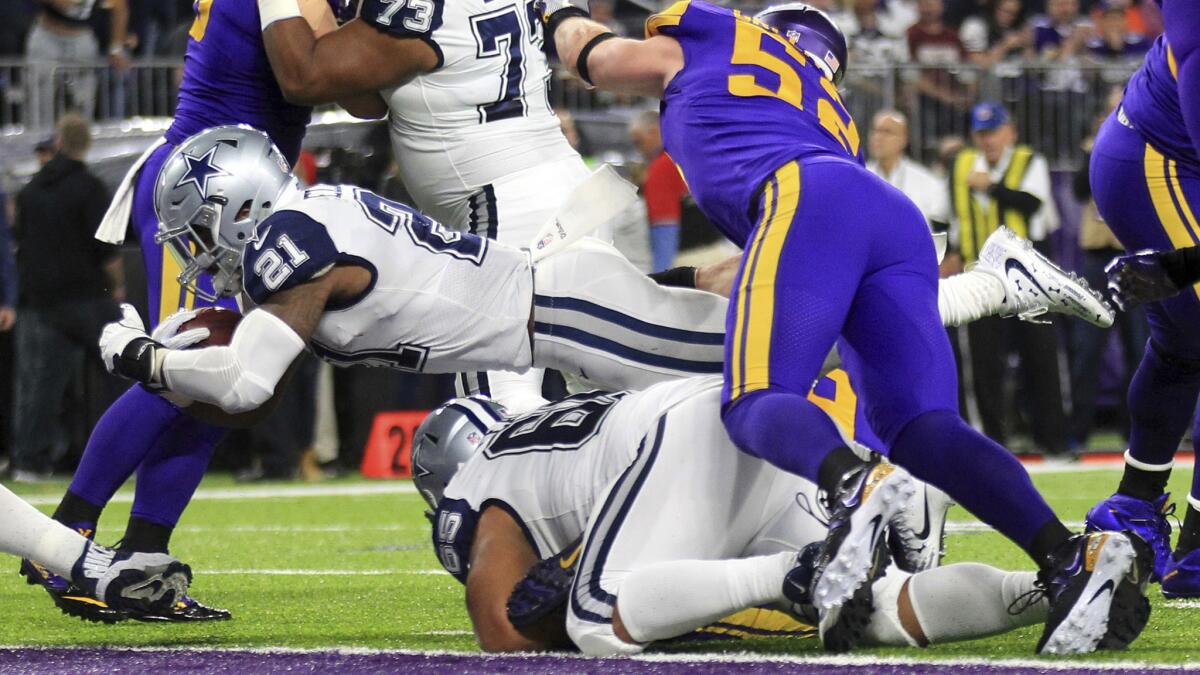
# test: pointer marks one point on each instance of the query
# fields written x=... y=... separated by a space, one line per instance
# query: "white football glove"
x=167 y=333
x=129 y=352
x=118 y=334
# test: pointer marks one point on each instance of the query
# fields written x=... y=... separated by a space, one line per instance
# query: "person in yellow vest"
x=998 y=182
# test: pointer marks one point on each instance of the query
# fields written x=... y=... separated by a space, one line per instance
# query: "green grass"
x=407 y=607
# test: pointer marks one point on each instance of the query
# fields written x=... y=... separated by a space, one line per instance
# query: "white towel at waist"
x=116 y=220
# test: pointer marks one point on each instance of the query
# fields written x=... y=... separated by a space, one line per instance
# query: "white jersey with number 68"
x=482 y=115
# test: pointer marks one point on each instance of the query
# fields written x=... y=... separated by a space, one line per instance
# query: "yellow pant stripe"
x=1161 y=181
x=172 y=296
x=842 y=408
x=756 y=302
x=736 y=379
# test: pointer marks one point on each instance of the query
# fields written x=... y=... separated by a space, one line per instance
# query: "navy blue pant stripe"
x=637 y=472
x=586 y=339
x=625 y=321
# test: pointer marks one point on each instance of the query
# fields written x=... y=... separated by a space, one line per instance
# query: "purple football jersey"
x=228 y=80
x=745 y=103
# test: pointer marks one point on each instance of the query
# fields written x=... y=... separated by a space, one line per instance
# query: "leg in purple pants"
x=141 y=431
x=839 y=253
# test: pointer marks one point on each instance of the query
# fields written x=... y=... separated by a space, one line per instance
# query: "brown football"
x=219 y=322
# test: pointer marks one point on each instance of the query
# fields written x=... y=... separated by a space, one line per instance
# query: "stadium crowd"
x=946 y=92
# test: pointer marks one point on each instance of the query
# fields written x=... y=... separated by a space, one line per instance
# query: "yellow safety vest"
x=976 y=223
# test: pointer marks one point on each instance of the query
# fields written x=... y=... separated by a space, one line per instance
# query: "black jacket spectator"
x=57 y=213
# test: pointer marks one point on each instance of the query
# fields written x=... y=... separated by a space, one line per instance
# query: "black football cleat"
x=69 y=599
x=1097 y=593
x=187 y=609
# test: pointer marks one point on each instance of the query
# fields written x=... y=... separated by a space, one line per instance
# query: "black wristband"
x=1182 y=266
x=560 y=16
x=681 y=277
x=136 y=361
x=581 y=62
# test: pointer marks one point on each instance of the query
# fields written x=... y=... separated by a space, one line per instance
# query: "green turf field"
x=356 y=570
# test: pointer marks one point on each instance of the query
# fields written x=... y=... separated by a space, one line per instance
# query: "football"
x=220 y=323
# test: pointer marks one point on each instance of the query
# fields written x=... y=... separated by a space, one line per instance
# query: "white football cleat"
x=1034 y=286
x=917 y=539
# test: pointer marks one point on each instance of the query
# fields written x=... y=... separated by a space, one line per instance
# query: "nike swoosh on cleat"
x=1109 y=586
x=924 y=533
x=1010 y=265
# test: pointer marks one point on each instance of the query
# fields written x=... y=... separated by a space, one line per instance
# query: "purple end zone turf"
x=176 y=662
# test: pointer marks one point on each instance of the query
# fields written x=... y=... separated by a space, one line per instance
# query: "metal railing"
x=34 y=95
x=1054 y=107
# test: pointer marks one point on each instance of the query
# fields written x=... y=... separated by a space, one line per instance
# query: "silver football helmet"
x=211 y=192
x=447 y=439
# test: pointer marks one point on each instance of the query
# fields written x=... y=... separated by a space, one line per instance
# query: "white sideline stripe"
x=1048 y=664
x=293 y=529
x=1059 y=466
x=404 y=487
x=971 y=526
x=324 y=573
x=268 y=492
x=1183 y=604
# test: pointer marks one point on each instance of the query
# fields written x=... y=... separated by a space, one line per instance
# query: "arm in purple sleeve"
x=1182 y=21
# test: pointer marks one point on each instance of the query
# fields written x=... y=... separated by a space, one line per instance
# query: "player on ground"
x=226 y=80
x=125 y=582
x=679 y=530
x=752 y=115
x=1145 y=176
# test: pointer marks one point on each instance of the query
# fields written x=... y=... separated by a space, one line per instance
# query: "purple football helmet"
x=344 y=10
x=812 y=31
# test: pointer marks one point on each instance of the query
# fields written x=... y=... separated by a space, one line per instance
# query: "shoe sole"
x=1086 y=624
x=842 y=628
x=78 y=606
x=151 y=591
x=851 y=566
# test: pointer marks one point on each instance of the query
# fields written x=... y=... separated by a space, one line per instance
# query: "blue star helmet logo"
x=200 y=170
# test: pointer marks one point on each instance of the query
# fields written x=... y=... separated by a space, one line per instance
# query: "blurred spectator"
x=1141 y=17
x=998 y=182
x=997 y=37
x=8 y=314
x=15 y=19
x=874 y=35
x=150 y=22
x=886 y=145
x=68 y=286
x=663 y=190
x=942 y=98
x=8 y=274
x=1114 y=40
x=957 y=11
x=62 y=37
x=1061 y=33
x=44 y=151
